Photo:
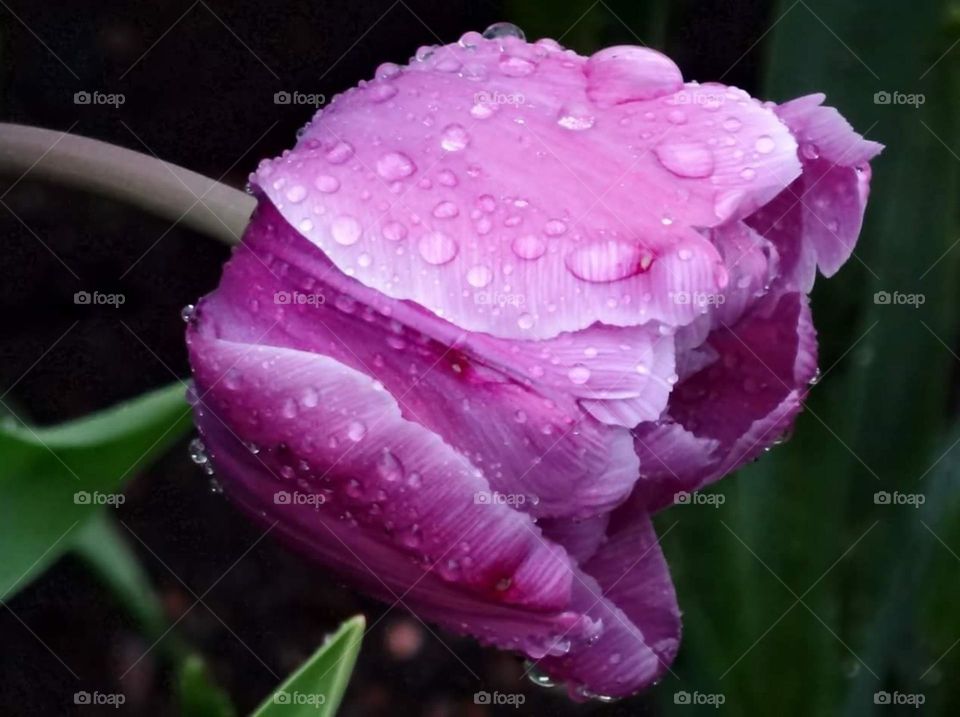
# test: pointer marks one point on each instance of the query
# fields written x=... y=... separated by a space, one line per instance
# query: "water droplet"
x=626 y=73
x=732 y=124
x=676 y=117
x=579 y=374
x=437 y=248
x=808 y=150
x=296 y=194
x=576 y=118
x=482 y=110
x=340 y=153
x=356 y=431
x=685 y=158
x=381 y=91
x=327 y=183
x=346 y=230
x=541 y=679
x=395 y=165
x=454 y=138
x=609 y=260
x=525 y=322
x=188 y=313
x=394 y=231
x=765 y=144
x=529 y=246
x=309 y=398
x=554 y=228
x=516 y=66
x=503 y=29
x=389 y=467
x=447 y=178
x=479 y=276
x=446 y=210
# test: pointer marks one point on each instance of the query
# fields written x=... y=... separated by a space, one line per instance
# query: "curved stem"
x=164 y=189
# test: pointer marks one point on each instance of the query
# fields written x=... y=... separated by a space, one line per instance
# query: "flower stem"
x=164 y=189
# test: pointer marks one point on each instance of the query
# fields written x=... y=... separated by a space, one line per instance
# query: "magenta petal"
x=423 y=190
x=330 y=430
x=726 y=414
x=626 y=586
x=817 y=219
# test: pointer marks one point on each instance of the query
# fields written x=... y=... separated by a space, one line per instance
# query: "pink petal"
x=455 y=193
x=521 y=427
x=627 y=586
x=323 y=428
x=725 y=415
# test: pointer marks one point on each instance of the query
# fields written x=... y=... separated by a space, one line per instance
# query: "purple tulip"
x=500 y=305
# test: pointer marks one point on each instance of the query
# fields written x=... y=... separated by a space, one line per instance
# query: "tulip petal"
x=333 y=431
x=817 y=219
x=535 y=445
x=726 y=414
x=426 y=189
x=626 y=585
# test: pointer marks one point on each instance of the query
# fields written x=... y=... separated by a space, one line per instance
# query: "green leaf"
x=316 y=688
x=52 y=479
x=100 y=544
x=199 y=695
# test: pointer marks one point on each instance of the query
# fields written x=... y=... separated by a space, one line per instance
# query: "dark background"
x=199 y=80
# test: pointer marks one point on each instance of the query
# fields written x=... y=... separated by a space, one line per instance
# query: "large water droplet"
x=479 y=276
x=296 y=194
x=454 y=138
x=327 y=183
x=609 y=260
x=356 y=431
x=626 y=73
x=340 y=153
x=437 y=248
x=579 y=374
x=503 y=29
x=529 y=246
x=685 y=158
x=576 y=117
x=346 y=230
x=395 y=165
x=389 y=467
x=446 y=210
x=765 y=144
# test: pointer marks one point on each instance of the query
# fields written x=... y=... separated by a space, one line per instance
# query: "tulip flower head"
x=499 y=306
